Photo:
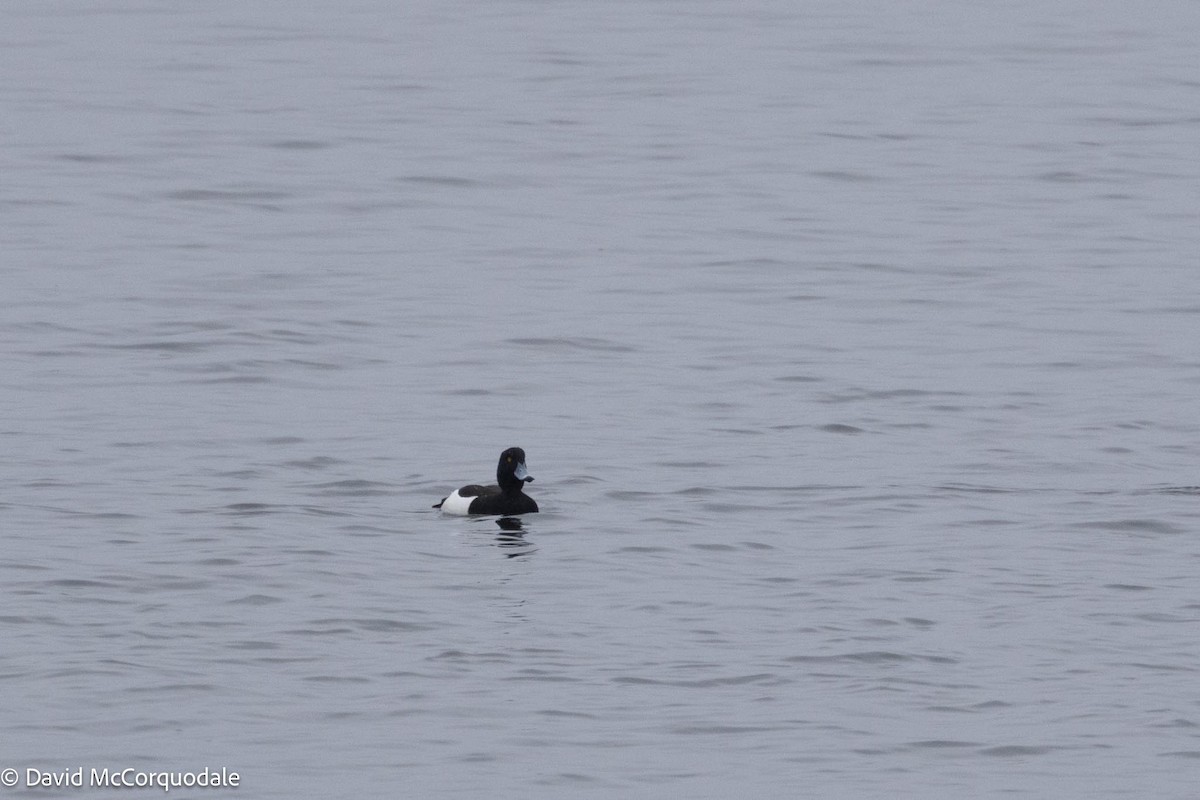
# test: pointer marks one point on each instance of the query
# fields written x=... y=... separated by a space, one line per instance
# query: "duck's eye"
x=509 y=459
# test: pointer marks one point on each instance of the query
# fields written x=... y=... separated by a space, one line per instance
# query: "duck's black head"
x=510 y=472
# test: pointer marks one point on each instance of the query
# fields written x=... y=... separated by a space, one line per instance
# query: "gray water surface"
x=853 y=347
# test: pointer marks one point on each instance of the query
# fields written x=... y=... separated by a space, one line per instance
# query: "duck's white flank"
x=457 y=504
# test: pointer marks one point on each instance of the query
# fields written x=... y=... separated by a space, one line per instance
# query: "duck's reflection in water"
x=512 y=537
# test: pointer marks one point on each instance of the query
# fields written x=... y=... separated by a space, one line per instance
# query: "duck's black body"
x=505 y=498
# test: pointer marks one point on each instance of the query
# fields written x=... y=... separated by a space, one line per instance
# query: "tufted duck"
x=506 y=498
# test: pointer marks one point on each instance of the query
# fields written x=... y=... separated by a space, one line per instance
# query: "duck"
x=506 y=498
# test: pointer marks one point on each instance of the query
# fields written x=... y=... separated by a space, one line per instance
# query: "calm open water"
x=853 y=346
